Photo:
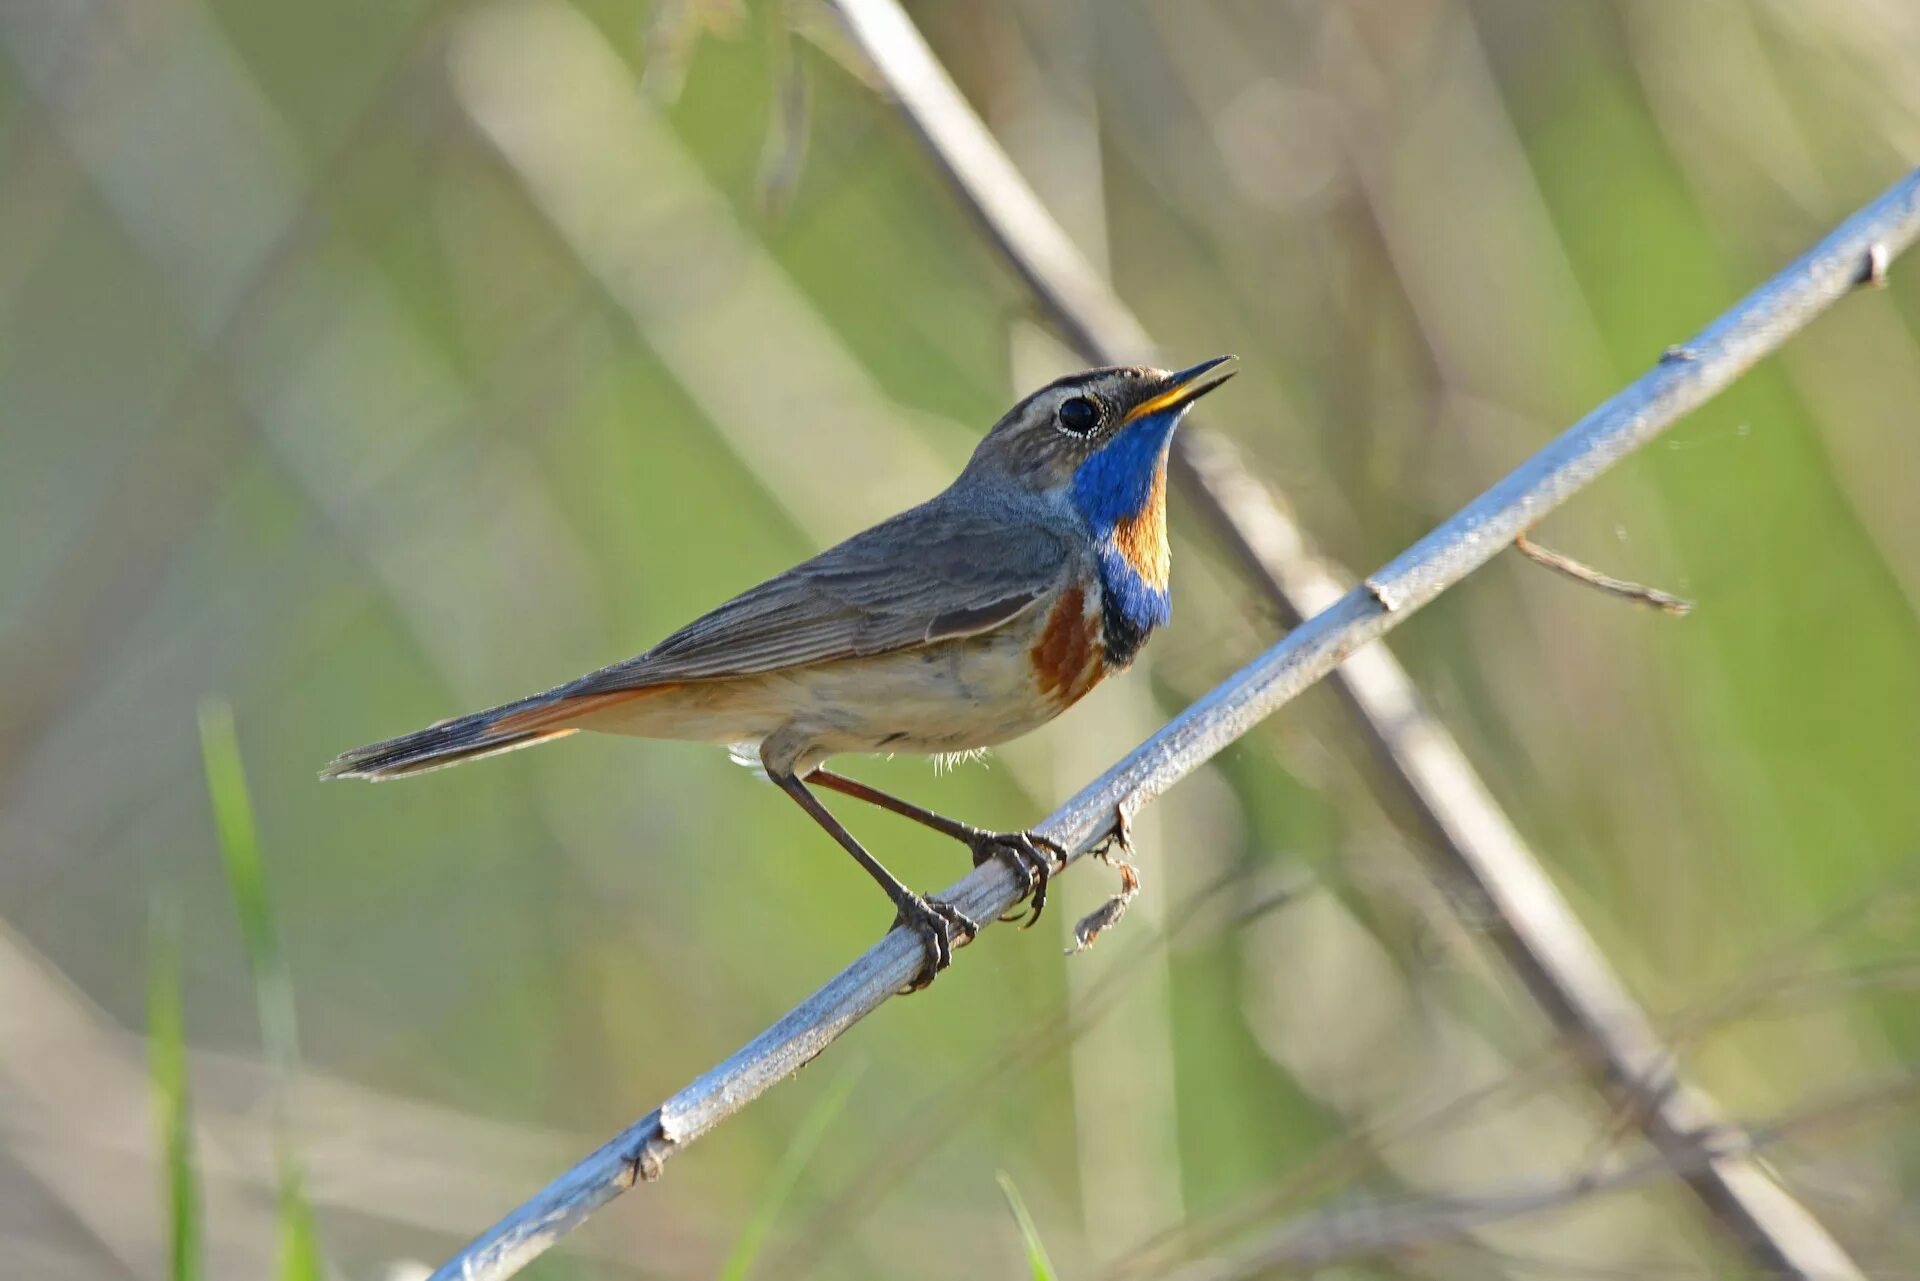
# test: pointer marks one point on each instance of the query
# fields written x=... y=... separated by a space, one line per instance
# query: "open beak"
x=1183 y=388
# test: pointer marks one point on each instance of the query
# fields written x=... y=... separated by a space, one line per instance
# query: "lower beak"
x=1185 y=387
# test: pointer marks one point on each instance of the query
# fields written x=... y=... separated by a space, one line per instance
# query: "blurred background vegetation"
x=364 y=363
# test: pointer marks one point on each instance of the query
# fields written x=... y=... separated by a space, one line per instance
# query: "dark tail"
x=466 y=738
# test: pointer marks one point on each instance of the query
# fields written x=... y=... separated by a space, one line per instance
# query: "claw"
x=1029 y=856
x=939 y=925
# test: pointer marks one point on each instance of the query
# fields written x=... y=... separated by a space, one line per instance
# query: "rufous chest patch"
x=1066 y=659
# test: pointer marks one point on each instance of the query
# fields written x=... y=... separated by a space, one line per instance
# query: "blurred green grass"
x=167 y=1061
x=1038 y=1264
x=417 y=458
x=239 y=844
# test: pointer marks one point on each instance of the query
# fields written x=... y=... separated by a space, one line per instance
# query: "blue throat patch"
x=1109 y=489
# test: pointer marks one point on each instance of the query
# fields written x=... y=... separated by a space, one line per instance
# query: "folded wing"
x=932 y=573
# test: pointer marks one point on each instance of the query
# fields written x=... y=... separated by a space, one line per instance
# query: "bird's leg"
x=938 y=923
x=1029 y=855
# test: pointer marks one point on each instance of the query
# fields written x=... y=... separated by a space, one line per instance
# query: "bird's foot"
x=1029 y=855
x=941 y=926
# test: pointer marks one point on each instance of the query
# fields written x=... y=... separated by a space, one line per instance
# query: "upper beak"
x=1183 y=388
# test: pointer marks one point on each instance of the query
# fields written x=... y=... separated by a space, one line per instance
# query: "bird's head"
x=1102 y=434
x=1098 y=442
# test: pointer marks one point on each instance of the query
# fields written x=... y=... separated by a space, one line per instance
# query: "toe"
x=967 y=927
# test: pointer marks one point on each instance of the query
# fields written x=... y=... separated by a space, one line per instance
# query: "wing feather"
x=932 y=573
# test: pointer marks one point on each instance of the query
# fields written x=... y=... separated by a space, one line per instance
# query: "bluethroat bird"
x=969 y=620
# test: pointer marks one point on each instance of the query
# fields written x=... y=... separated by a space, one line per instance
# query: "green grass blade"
x=786 y=1175
x=167 y=1066
x=299 y=1250
x=1037 y=1261
x=300 y=1258
x=240 y=853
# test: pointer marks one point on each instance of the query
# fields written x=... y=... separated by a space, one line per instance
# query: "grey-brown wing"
x=929 y=574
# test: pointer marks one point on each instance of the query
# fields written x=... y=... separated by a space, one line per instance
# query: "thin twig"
x=1751 y=330
x=1638 y=593
x=1543 y=940
x=1108 y=914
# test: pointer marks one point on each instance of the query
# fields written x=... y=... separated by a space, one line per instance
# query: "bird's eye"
x=1078 y=415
